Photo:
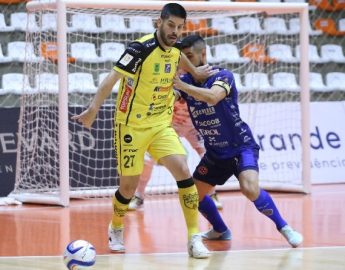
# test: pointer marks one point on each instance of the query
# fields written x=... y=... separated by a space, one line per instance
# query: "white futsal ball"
x=79 y=254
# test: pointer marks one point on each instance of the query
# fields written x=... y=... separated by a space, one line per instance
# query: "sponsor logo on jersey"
x=136 y=65
x=161 y=89
x=239 y=123
x=154 y=80
x=207 y=123
x=156 y=68
x=166 y=56
x=209 y=132
x=246 y=139
x=159 y=97
x=133 y=50
x=167 y=68
x=222 y=78
x=130 y=150
x=125 y=99
x=211 y=139
x=154 y=109
x=150 y=109
x=126 y=59
x=130 y=82
x=160 y=108
x=127 y=138
x=150 y=44
x=206 y=111
x=219 y=144
x=243 y=130
x=166 y=80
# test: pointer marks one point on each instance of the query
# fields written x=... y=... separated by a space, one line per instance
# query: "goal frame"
x=61 y=7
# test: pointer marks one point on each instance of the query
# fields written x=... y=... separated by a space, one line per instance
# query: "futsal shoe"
x=115 y=239
x=196 y=248
x=135 y=203
x=294 y=238
x=214 y=235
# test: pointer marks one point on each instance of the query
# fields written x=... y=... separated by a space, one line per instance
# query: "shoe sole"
x=296 y=245
x=217 y=239
x=220 y=238
x=118 y=251
x=205 y=256
x=122 y=250
x=201 y=257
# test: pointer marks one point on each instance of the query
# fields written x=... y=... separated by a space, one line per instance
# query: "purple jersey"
x=221 y=126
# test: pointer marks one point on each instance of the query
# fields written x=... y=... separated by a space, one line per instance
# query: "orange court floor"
x=159 y=228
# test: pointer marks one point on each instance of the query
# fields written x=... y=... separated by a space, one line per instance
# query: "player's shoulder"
x=223 y=72
x=148 y=41
x=222 y=75
x=143 y=44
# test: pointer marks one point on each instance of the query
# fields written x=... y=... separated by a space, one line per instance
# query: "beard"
x=166 y=39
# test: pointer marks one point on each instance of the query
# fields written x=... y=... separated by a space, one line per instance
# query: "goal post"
x=58 y=160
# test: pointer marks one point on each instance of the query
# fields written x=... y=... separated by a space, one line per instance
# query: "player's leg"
x=169 y=152
x=196 y=141
x=138 y=199
x=249 y=183
x=120 y=204
x=214 y=196
x=206 y=175
x=130 y=162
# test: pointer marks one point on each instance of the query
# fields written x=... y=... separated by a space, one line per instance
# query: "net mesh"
x=95 y=40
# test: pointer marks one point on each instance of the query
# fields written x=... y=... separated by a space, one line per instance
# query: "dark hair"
x=173 y=9
x=193 y=40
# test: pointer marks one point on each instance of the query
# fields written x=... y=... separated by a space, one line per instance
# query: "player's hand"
x=86 y=118
x=179 y=85
x=203 y=72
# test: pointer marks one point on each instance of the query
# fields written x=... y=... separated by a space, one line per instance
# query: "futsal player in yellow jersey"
x=143 y=121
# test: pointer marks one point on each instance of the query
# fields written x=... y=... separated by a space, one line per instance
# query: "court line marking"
x=185 y=253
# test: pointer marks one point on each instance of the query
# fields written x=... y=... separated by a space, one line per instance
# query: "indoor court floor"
x=34 y=236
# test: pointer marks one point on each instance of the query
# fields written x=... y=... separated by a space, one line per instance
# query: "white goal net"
x=76 y=44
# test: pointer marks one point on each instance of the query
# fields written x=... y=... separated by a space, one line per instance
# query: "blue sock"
x=209 y=210
x=266 y=206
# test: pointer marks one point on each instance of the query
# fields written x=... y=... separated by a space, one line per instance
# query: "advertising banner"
x=280 y=155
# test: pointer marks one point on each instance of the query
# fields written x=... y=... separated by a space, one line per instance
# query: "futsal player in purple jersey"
x=229 y=143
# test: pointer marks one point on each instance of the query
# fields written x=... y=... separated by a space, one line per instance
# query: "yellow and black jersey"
x=146 y=96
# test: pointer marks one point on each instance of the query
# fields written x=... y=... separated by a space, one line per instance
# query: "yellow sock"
x=189 y=201
x=119 y=211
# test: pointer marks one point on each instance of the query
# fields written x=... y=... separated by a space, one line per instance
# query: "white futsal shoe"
x=196 y=248
x=115 y=239
x=294 y=238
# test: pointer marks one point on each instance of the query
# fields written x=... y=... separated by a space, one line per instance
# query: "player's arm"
x=177 y=95
x=218 y=91
x=87 y=117
x=199 y=73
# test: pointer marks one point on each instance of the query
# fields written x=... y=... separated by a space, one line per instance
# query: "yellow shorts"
x=131 y=144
